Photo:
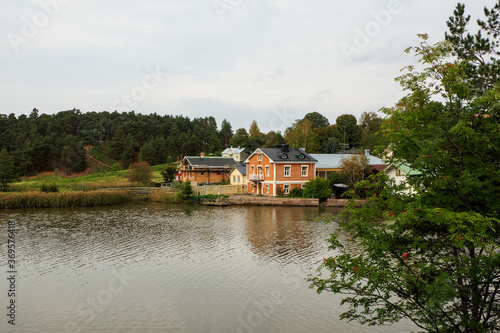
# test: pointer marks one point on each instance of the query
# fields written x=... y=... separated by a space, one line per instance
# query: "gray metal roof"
x=332 y=161
x=233 y=150
x=293 y=155
x=204 y=162
x=242 y=169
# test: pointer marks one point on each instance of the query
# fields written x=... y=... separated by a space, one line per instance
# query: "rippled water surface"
x=149 y=267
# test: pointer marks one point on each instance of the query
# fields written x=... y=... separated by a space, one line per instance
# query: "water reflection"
x=191 y=269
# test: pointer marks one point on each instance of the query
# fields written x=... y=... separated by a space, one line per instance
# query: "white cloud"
x=240 y=68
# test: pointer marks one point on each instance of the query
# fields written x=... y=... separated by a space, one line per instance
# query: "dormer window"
x=301 y=156
x=259 y=157
x=284 y=156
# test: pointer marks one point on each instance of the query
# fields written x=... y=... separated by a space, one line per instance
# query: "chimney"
x=285 y=148
x=202 y=155
x=367 y=152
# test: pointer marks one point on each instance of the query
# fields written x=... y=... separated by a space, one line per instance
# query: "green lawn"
x=97 y=180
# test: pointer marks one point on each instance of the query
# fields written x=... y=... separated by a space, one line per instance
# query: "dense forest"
x=40 y=142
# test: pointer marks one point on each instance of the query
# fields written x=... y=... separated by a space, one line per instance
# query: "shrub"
x=296 y=193
x=52 y=188
x=187 y=190
x=140 y=173
x=318 y=188
x=116 y=167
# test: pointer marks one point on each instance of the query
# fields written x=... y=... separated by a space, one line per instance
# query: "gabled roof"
x=233 y=150
x=332 y=161
x=206 y=162
x=277 y=155
x=379 y=167
x=405 y=168
x=241 y=168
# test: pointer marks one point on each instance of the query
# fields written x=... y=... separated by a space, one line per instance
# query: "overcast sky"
x=241 y=60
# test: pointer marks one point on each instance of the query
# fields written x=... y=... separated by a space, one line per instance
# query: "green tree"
x=140 y=173
x=254 y=130
x=168 y=174
x=355 y=168
x=370 y=124
x=148 y=153
x=240 y=138
x=331 y=146
x=348 y=130
x=225 y=133
x=432 y=257
x=187 y=190
x=8 y=171
x=317 y=119
x=317 y=188
x=337 y=178
x=128 y=155
x=301 y=135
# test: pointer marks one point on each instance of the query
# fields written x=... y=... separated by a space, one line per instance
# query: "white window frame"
x=259 y=170
x=267 y=170
x=234 y=179
x=286 y=189
x=302 y=170
x=239 y=179
x=289 y=171
x=253 y=169
x=267 y=188
x=398 y=172
x=303 y=186
x=259 y=157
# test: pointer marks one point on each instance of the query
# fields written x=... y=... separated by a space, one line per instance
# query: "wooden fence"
x=219 y=189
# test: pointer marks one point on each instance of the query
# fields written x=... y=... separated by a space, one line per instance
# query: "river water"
x=149 y=267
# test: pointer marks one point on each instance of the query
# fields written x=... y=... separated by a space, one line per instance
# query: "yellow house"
x=238 y=175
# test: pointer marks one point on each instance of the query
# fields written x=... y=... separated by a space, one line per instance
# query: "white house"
x=236 y=153
x=399 y=173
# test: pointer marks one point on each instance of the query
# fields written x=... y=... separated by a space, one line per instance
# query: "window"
x=286 y=189
x=287 y=170
x=284 y=156
x=201 y=173
x=253 y=169
x=267 y=188
x=234 y=179
x=267 y=170
x=239 y=179
x=259 y=169
x=303 y=186
x=398 y=172
x=301 y=156
x=259 y=157
x=305 y=170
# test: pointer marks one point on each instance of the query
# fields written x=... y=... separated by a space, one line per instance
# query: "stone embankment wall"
x=271 y=201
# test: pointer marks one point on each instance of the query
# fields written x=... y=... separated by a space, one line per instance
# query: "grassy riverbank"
x=64 y=199
x=99 y=180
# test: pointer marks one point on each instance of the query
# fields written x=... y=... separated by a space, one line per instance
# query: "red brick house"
x=272 y=171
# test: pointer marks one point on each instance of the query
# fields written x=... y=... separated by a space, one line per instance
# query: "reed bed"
x=165 y=196
x=64 y=199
